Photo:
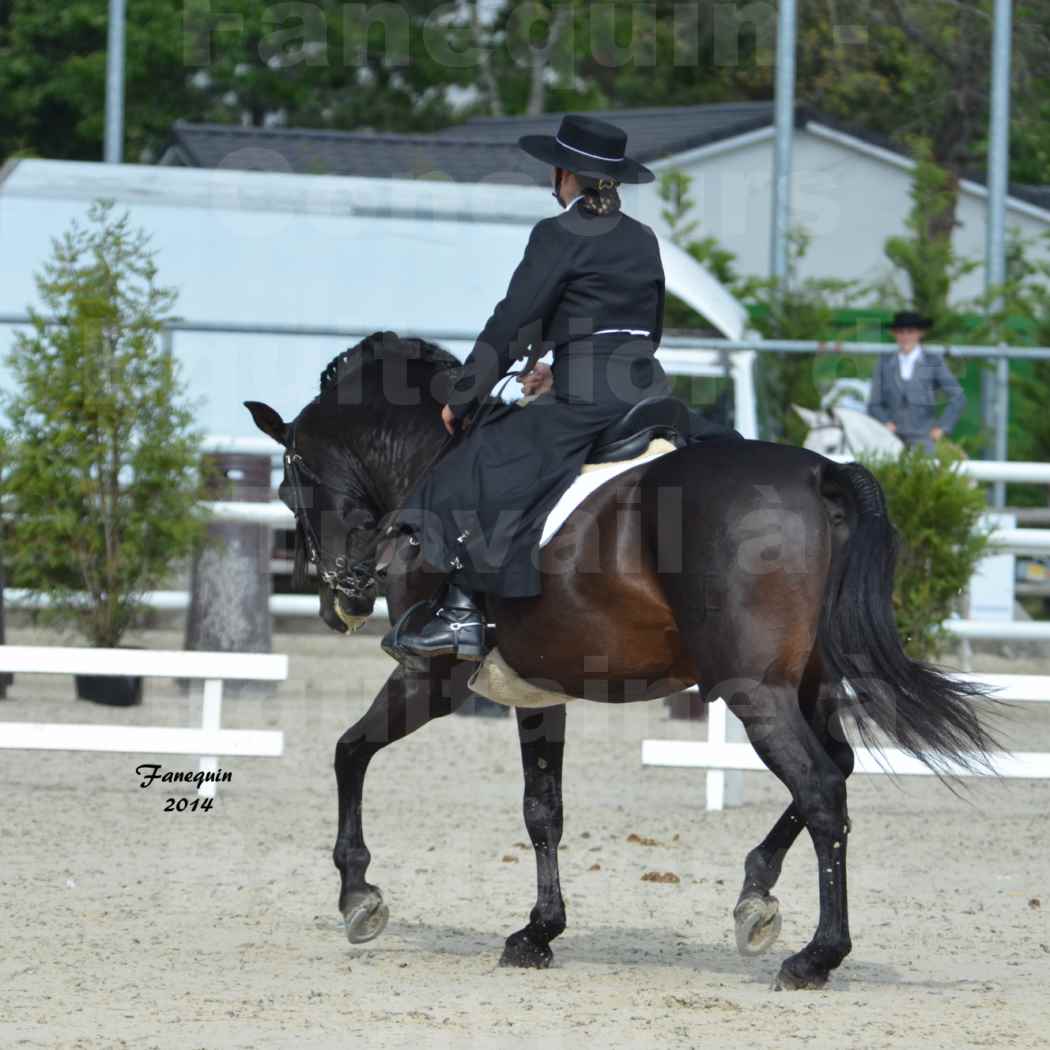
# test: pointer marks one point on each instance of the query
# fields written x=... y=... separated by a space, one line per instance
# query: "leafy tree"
x=927 y=258
x=921 y=68
x=708 y=251
x=324 y=64
x=796 y=308
x=329 y=64
x=1019 y=313
x=664 y=53
x=674 y=190
x=101 y=457
x=905 y=68
x=53 y=76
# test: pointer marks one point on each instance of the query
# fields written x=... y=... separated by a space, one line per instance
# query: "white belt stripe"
x=629 y=331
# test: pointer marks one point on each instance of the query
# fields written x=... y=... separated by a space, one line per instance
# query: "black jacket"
x=580 y=273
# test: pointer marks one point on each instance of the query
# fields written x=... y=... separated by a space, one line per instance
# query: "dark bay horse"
x=761 y=572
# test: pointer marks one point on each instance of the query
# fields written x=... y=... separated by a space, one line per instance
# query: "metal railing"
x=1002 y=354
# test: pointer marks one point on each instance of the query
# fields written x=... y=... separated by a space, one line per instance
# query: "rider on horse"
x=590 y=287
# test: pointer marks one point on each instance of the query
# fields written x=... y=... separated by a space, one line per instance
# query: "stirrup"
x=392 y=647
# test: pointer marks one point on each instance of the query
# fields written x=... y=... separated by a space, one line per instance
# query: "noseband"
x=353 y=580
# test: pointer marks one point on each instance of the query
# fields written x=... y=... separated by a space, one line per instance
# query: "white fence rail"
x=179 y=601
x=306 y=605
x=209 y=740
x=278 y=516
x=719 y=755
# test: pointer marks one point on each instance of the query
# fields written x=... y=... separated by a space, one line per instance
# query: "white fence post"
x=211 y=719
x=991 y=590
x=724 y=787
x=716 y=734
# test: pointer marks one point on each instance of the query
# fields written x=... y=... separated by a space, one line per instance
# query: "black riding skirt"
x=479 y=512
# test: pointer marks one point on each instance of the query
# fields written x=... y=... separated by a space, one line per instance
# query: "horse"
x=761 y=573
x=835 y=430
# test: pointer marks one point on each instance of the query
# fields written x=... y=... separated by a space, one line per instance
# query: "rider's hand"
x=891 y=426
x=539 y=380
x=449 y=419
x=936 y=433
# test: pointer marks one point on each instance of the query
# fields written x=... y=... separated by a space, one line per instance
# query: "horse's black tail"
x=929 y=715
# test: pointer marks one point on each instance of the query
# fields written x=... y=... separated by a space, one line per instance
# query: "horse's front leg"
x=542 y=736
x=410 y=698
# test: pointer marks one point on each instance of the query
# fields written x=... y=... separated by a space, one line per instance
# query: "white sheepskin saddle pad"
x=592 y=477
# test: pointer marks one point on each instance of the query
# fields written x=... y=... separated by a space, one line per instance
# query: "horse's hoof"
x=790 y=980
x=365 y=917
x=524 y=954
x=758 y=923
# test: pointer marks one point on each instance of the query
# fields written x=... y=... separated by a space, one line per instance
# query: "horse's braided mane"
x=382 y=345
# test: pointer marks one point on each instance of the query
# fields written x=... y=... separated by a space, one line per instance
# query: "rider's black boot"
x=456 y=628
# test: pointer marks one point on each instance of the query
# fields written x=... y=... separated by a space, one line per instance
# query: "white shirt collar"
x=907 y=362
x=573 y=201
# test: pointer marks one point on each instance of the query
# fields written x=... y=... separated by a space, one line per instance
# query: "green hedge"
x=936 y=512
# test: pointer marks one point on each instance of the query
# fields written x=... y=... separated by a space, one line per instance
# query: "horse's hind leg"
x=767 y=702
x=757 y=912
x=409 y=699
x=789 y=747
x=542 y=736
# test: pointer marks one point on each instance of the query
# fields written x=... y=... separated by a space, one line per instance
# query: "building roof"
x=1037 y=195
x=483 y=148
x=652 y=132
x=304 y=151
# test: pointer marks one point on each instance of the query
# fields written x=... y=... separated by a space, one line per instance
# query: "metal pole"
x=5 y=679
x=114 y=136
x=998 y=175
x=785 y=127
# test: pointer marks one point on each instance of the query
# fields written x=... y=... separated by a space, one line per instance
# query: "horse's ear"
x=808 y=415
x=268 y=421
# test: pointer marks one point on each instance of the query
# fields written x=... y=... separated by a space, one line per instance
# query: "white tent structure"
x=277 y=251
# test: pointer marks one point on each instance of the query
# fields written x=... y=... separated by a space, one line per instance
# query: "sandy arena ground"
x=125 y=926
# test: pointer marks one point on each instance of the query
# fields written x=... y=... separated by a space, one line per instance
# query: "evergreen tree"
x=101 y=456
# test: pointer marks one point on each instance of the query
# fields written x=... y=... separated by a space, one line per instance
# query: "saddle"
x=629 y=437
x=625 y=439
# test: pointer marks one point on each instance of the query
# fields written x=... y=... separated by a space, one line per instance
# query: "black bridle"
x=837 y=424
x=351 y=579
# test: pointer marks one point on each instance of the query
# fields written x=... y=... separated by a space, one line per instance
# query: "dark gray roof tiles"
x=1037 y=195
x=652 y=132
x=484 y=149
x=314 y=152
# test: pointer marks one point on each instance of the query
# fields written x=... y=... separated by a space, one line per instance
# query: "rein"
x=353 y=580
x=483 y=410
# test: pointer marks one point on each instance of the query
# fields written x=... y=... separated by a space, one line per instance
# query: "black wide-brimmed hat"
x=587 y=146
x=910 y=319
